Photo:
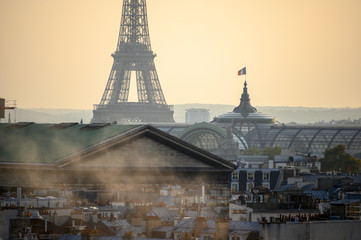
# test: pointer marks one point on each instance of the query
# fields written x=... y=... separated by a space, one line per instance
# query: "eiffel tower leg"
x=121 y=83
x=149 y=89
x=117 y=88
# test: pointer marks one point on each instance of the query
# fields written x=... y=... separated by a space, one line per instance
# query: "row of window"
x=249 y=187
x=250 y=176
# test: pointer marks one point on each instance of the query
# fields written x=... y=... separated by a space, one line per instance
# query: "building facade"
x=197 y=115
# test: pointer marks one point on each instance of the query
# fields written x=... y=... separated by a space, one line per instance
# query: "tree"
x=336 y=159
x=271 y=152
x=252 y=151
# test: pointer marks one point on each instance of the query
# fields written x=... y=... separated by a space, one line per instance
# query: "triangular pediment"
x=142 y=153
x=144 y=148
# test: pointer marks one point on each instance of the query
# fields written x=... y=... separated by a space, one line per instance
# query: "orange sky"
x=56 y=53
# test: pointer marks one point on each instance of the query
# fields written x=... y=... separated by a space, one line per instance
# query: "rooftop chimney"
x=200 y=224
x=222 y=229
x=151 y=223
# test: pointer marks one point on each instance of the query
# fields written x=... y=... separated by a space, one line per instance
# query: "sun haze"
x=56 y=54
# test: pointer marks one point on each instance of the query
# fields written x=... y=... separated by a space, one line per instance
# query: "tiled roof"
x=186 y=225
x=117 y=223
x=164 y=214
x=210 y=213
x=245 y=226
x=234 y=227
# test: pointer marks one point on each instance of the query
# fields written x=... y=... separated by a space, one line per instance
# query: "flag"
x=242 y=71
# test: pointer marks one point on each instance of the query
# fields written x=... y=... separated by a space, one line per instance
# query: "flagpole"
x=245 y=77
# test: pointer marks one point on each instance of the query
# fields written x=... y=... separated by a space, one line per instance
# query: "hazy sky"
x=56 y=53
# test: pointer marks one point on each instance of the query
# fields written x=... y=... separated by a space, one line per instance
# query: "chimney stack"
x=222 y=229
x=151 y=223
x=200 y=224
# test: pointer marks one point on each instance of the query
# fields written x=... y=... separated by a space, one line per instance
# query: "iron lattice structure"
x=133 y=53
x=308 y=138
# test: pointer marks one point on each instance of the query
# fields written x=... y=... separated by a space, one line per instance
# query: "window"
x=234 y=187
x=235 y=176
x=265 y=176
x=250 y=176
x=249 y=187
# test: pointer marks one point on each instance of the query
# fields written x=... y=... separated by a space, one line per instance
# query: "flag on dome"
x=242 y=71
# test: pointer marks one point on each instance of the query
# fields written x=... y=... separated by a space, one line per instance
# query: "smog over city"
x=57 y=54
x=158 y=119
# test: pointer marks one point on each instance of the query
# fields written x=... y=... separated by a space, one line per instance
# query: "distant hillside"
x=283 y=114
x=310 y=115
x=44 y=115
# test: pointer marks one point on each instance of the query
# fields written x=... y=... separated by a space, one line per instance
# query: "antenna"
x=7 y=105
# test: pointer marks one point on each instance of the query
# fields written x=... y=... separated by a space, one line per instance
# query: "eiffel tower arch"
x=133 y=54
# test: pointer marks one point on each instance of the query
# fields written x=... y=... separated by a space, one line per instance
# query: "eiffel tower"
x=133 y=53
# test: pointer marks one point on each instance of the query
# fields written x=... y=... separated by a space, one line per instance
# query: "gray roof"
x=117 y=223
x=233 y=226
x=70 y=237
x=318 y=194
x=287 y=187
x=186 y=225
x=168 y=200
x=211 y=227
x=164 y=229
x=245 y=226
x=164 y=214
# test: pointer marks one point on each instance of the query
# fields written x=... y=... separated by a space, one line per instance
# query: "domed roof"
x=245 y=106
x=251 y=117
x=205 y=126
x=245 y=112
x=204 y=135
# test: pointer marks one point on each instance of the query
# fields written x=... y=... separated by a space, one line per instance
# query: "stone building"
x=50 y=155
